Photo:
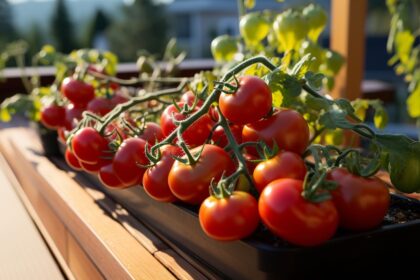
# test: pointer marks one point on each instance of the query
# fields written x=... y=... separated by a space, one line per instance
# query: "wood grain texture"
x=348 y=38
x=23 y=252
x=115 y=252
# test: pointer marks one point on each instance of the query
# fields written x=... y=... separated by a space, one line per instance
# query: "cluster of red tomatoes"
x=357 y=203
x=77 y=96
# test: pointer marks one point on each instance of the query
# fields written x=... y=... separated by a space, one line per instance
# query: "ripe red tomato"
x=287 y=214
x=118 y=99
x=219 y=135
x=230 y=218
x=73 y=115
x=249 y=103
x=128 y=160
x=283 y=165
x=71 y=160
x=113 y=131
x=100 y=106
x=152 y=133
x=287 y=127
x=108 y=177
x=190 y=183
x=362 y=203
x=189 y=97
x=89 y=146
x=76 y=91
x=53 y=116
x=196 y=134
x=94 y=168
x=155 y=179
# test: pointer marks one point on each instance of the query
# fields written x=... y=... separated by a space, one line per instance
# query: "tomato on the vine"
x=71 y=160
x=196 y=134
x=108 y=177
x=94 y=168
x=155 y=179
x=254 y=28
x=73 y=115
x=287 y=214
x=53 y=116
x=287 y=127
x=229 y=218
x=251 y=101
x=283 y=165
x=219 y=136
x=77 y=92
x=362 y=203
x=152 y=133
x=100 y=106
x=88 y=145
x=190 y=183
x=224 y=48
x=189 y=98
x=128 y=160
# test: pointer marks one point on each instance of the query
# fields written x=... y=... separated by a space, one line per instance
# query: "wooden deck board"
x=23 y=252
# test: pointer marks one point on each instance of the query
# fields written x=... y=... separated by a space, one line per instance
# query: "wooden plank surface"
x=115 y=252
x=23 y=252
x=348 y=38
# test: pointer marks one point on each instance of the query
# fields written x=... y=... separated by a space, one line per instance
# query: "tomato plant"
x=71 y=160
x=128 y=160
x=249 y=103
x=155 y=179
x=53 y=116
x=108 y=177
x=229 y=218
x=283 y=165
x=88 y=145
x=190 y=183
x=287 y=127
x=224 y=48
x=361 y=202
x=195 y=134
x=76 y=91
x=287 y=214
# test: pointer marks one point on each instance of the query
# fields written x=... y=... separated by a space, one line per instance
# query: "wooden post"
x=348 y=38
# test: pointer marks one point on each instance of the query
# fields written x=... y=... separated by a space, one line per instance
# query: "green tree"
x=62 y=28
x=143 y=26
x=7 y=30
x=98 y=25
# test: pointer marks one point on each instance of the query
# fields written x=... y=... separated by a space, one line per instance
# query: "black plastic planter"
x=263 y=256
x=48 y=139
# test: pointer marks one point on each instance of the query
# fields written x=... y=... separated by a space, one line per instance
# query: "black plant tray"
x=263 y=256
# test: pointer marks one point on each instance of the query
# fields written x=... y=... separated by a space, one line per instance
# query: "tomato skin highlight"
x=76 y=91
x=71 y=160
x=231 y=218
x=127 y=160
x=190 y=183
x=108 y=177
x=155 y=179
x=249 y=103
x=196 y=134
x=362 y=203
x=287 y=214
x=283 y=165
x=287 y=127
x=88 y=145
x=53 y=116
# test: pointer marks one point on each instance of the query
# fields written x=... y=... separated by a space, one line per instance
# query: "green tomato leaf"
x=302 y=66
x=283 y=84
x=335 y=119
x=403 y=43
x=345 y=105
x=314 y=80
x=360 y=106
x=413 y=103
x=380 y=119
